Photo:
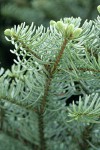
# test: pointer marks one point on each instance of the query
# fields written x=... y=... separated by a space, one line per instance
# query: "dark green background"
x=41 y=12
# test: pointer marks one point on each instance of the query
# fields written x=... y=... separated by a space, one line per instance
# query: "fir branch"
x=59 y=56
x=41 y=131
x=41 y=117
x=44 y=99
x=51 y=72
x=87 y=110
x=2 y=113
x=40 y=114
x=83 y=144
x=17 y=137
x=15 y=102
x=39 y=46
x=86 y=69
x=27 y=48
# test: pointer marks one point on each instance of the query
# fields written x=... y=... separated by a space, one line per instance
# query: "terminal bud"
x=77 y=32
x=7 y=32
x=98 y=8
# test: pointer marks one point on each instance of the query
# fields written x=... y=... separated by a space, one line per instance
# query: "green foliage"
x=87 y=110
x=42 y=11
x=52 y=64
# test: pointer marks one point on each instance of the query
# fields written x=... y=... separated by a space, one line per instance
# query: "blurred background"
x=41 y=12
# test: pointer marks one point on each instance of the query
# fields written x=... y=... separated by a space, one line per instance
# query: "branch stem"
x=44 y=99
x=59 y=56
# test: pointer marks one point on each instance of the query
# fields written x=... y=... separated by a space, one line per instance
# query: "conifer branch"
x=1 y=118
x=59 y=56
x=13 y=101
x=86 y=69
x=17 y=137
x=45 y=90
x=27 y=48
x=41 y=131
x=40 y=114
x=85 y=136
x=44 y=99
